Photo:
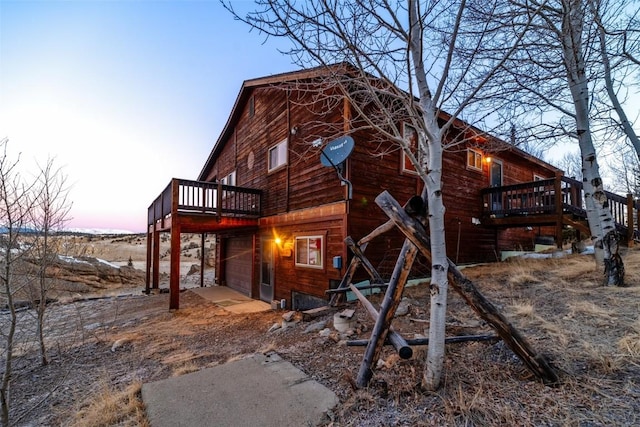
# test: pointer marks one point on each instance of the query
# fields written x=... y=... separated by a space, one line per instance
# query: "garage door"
x=238 y=268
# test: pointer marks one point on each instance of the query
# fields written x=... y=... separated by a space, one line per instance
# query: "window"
x=410 y=134
x=474 y=159
x=278 y=155
x=228 y=180
x=309 y=251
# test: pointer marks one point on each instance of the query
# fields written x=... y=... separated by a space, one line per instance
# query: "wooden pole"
x=375 y=276
x=415 y=232
x=399 y=343
x=387 y=311
x=559 y=208
x=346 y=279
x=630 y=224
x=425 y=341
x=174 y=272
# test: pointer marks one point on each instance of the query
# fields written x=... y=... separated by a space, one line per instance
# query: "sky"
x=123 y=95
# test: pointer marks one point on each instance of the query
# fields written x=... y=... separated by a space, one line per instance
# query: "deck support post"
x=630 y=224
x=174 y=273
x=559 y=209
x=202 y=240
x=156 y=258
x=147 y=278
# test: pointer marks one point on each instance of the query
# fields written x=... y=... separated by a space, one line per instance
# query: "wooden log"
x=387 y=226
x=362 y=288
x=337 y=297
x=357 y=252
x=388 y=308
x=399 y=343
x=414 y=231
x=425 y=341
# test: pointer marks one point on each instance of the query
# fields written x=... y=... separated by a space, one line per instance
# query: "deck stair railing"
x=558 y=196
x=199 y=197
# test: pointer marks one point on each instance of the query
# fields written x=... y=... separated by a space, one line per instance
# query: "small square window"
x=277 y=156
x=474 y=159
x=309 y=250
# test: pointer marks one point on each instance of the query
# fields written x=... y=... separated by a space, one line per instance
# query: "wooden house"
x=281 y=218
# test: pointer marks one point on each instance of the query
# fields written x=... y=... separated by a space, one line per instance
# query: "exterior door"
x=495 y=180
x=267 y=270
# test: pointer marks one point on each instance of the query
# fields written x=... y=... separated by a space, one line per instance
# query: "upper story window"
x=410 y=134
x=309 y=251
x=277 y=155
x=474 y=159
x=229 y=179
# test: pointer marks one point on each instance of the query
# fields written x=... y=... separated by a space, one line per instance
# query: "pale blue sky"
x=124 y=94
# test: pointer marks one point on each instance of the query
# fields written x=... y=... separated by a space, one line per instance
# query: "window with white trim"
x=277 y=156
x=474 y=159
x=228 y=180
x=410 y=135
x=309 y=250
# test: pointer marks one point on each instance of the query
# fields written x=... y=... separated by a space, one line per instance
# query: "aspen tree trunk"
x=439 y=281
x=601 y=222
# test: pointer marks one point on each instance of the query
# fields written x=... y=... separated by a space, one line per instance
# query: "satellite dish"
x=337 y=151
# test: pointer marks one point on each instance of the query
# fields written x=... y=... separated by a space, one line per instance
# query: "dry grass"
x=110 y=407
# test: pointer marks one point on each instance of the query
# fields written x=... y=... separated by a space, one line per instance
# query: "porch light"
x=278 y=241
x=487 y=159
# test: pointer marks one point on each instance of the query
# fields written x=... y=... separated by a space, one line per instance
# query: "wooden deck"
x=557 y=202
x=195 y=207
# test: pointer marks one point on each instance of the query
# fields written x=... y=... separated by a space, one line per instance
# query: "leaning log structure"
x=417 y=241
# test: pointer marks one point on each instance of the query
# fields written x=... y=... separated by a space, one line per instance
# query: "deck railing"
x=213 y=198
x=555 y=195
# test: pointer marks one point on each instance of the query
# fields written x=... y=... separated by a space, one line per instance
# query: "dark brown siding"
x=326 y=222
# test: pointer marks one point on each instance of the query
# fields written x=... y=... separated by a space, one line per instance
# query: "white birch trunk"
x=599 y=217
x=436 y=351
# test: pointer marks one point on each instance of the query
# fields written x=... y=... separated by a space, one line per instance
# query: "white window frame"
x=282 y=155
x=310 y=261
x=229 y=180
x=477 y=159
x=417 y=153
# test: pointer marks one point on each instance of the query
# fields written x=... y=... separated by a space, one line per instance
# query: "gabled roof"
x=245 y=93
x=322 y=71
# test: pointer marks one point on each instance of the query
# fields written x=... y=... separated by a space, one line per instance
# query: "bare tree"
x=611 y=44
x=549 y=83
x=48 y=214
x=571 y=164
x=403 y=54
x=15 y=205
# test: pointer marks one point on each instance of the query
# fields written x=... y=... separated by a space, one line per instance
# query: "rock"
x=274 y=327
x=289 y=316
x=317 y=326
x=403 y=307
x=195 y=268
x=325 y=332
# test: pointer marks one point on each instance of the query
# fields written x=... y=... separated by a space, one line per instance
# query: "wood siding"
x=300 y=198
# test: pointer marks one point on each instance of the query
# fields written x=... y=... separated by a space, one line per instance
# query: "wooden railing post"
x=630 y=223
x=559 y=208
x=219 y=201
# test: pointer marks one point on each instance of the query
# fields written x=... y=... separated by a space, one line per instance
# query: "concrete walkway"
x=260 y=390
x=231 y=300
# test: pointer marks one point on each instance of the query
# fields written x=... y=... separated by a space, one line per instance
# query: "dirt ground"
x=590 y=333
